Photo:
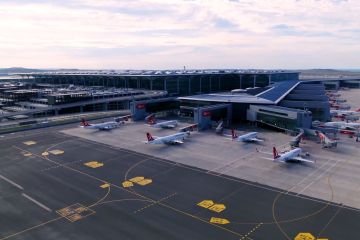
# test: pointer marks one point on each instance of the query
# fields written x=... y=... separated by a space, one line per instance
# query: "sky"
x=170 y=34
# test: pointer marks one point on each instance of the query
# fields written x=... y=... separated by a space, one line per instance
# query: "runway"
x=55 y=186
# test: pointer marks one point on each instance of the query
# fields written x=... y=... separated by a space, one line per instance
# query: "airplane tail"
x=149 y=137
x=84 y=123
x=233 y=134
x=322 y=137
x=275 y=153
x=150 y=119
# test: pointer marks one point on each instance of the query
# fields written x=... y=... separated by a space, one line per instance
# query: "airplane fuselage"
x=171 y=139
x=166 y=124
x=288 y=156
x=103 y=126
x=343 y=125
x=247 y=137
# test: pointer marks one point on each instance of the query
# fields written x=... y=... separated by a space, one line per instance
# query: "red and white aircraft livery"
x=341 y=106
x=106 y=125
x=248 y=137
x=343 y=125
x=151 y=120
x=289 y=156
x=344 y=113
x=326 y=141
x=173 y=139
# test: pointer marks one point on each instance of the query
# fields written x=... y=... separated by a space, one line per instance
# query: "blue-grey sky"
x=161 y=34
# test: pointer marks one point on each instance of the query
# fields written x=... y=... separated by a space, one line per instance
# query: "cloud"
x=203 y=33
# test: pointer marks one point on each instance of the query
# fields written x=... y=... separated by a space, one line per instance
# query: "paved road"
x=55 y=186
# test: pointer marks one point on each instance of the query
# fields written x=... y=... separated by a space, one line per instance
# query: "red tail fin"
x=275 y=153
x=358 y=110
x=151 y=120
x=149 y=137
x=233 y=134
x=84 y=123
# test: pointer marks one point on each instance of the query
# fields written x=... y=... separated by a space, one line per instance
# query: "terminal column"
x=269 y=79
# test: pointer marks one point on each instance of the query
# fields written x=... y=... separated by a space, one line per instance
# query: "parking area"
x=334 y=177
x=56 y=186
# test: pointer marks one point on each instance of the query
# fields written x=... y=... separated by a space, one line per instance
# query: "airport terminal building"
x=176 y=83
x=284 y=105
x=271 y=97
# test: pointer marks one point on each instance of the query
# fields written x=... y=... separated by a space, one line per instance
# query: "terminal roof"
x=278 y=91
x=228 y=98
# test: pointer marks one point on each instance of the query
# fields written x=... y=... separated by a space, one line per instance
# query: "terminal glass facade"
x=277 y=121
x=175 y=84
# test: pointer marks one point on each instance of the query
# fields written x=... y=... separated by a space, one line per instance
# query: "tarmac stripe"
x=36 y=202
x=233 y=179
x=11 y=182
x=320 y=176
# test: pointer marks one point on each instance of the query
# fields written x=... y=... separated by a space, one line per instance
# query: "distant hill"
x=7 y=71
x=12 y=70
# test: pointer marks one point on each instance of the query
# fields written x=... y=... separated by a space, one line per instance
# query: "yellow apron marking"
x=304 y=236
x=105 y=185
x=217 y=208
x=221 y=221
x=45 y=154
x=127 y=184
x=206 y=203
x=29 y=143
x=27 y=154
x=56 y=152
x=136 y=179
x=94 y=164
x=144 y=182
x=75 y=212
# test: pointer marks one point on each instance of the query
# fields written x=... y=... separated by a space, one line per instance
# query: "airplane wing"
x=303 y=159
x=175 y=141
x=166 y=126
x=256 y=140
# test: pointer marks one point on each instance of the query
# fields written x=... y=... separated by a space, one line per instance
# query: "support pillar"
x=269 y=79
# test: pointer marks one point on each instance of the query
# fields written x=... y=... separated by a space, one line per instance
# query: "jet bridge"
x=141 y=109
x=205 y=116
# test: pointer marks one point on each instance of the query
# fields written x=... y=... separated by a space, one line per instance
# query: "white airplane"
x=249 y=137
x=343 y=125
x=189 y=128
x=100 y=126
x=333 y=94
x=344 y=113
x=172 y=139
x=166 y=124
x=292 y=155
x=337 y=100
x=340 y=106
x=106 y=125
x=326 y=141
